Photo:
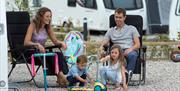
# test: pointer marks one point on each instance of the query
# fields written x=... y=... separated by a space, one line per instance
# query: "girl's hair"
x=82 y=59
x=121 y=56
x=38 y=18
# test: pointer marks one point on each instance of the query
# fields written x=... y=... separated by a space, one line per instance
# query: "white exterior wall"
x=98 y=19
x=3 y=49
x=174 y=20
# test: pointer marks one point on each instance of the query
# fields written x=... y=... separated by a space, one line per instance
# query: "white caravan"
x=96 y=11
x=174 y=20
x=3 y=49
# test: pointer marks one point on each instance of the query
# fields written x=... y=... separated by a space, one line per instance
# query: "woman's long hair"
x=121 y=56
x=38 y=19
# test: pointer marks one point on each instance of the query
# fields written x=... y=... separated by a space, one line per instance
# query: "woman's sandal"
x=61 y=80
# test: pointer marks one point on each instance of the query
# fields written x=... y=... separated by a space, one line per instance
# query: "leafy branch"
x=23 y=5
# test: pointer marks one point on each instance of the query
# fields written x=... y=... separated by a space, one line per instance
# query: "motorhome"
x=3 y=49
x=97 y=12
x=174 y=20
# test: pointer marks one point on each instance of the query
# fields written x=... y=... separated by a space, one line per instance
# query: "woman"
x=37 y=33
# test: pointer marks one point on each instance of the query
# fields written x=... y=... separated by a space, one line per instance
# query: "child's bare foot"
x=125 y=87
x=61 y=79
x=117 y=87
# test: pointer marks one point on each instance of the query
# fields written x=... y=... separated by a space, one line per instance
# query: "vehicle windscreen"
x=126 y=4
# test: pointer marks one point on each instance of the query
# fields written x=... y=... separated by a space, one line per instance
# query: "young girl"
x=115 y=71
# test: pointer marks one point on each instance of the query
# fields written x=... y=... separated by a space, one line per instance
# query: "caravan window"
x=108 y=4
x=179 y=9
x=72 y=3
x=83 y=3
x=80 y=2
x=126 y=4
x=90 y=4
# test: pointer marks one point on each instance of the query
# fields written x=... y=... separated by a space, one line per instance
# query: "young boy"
x=78 y=72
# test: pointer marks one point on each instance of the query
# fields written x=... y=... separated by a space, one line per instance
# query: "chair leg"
x=30 y=71
x=140 y=75
x=144 y=69
x=13 y=66
x=143 y=73
x=32 y=78
x=136 y=82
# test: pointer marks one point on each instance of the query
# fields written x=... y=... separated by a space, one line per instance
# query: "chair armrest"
x=21 y=48
x=144 y=48
x=105 y=47
x=52 y=47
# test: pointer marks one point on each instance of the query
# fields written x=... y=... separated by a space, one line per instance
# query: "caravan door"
x=3 y=49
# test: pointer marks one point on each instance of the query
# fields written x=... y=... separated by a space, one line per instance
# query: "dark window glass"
x=179 y=9
x=126 y=4
x=72 y=3
x=108 y=4
x=90 y=4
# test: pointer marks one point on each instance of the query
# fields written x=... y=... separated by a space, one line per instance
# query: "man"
x=125 y=36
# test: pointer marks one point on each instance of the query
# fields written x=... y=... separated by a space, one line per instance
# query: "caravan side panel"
x=174 y=20
x=97 y=18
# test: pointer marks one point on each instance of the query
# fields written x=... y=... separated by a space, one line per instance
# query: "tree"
x=23 y=5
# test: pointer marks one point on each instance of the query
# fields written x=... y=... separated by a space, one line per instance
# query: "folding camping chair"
x=140 y=67
x=17 y=24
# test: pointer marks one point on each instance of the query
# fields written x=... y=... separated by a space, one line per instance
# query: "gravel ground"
x=161 y=76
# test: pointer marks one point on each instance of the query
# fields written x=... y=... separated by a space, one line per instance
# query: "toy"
x=98 y=86
x=175 y=55
x=44 y=65
x=80 y=89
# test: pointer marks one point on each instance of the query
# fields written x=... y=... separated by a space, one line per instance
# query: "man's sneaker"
x=127 y=77
x=130 y=74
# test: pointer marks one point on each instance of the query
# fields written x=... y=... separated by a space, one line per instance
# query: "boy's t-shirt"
x=75 y=71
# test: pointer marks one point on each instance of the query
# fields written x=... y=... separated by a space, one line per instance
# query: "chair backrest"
x=134 y=20
x=17 y=24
